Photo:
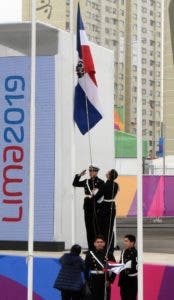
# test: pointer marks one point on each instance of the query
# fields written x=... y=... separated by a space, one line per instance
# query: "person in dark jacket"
x=106 y=209
x=128 y=282
x=96 y=274
x=91 y=186
x=70 y=280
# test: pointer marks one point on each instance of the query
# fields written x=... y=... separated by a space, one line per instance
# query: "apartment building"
x=151 y=70
x=113 y=24
x=168 y=95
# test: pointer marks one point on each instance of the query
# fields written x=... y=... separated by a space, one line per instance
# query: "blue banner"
x=14 y=145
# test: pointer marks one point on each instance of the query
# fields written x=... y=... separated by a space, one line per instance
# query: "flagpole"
x=162 y=86
x=73 y=150
x=139 y=156
x=32 y=153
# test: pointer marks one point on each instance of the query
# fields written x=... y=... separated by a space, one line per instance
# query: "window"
x=120 y=76
x=107 y=20
x=121 y=12
x=152 y=43
x=144 y=10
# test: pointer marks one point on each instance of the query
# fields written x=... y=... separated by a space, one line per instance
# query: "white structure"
x=160 y=166
x=73 y=155
x=71 y=148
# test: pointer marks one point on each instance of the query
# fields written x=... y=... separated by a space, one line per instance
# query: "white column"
x=73 y=202
x=139 y=154
x=32 y=153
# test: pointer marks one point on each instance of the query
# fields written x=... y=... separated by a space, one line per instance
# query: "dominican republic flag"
x=87 y=110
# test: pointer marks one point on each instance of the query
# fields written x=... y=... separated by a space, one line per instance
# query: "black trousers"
x=106 y=218
x=91 y=222
x=71 y=295
x=129 y=292
x=97 y=286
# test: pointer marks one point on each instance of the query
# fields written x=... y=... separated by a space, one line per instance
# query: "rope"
x=110 y=220
x=95 y=223
x=109 y=240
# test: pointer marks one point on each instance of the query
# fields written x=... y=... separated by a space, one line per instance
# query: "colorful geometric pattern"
x=158 y=280
x=118 y=123
x=158 y=194
x=158 y=283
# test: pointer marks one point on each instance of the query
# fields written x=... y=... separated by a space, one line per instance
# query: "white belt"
x=108 y=200
x=97 y=272
x=133 y=275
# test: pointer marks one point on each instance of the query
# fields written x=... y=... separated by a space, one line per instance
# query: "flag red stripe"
x=88 y=62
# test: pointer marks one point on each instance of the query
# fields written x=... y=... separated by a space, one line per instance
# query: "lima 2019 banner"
x=14 y=145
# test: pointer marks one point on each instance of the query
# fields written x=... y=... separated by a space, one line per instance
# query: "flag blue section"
x=80 y=26
x=80 y=111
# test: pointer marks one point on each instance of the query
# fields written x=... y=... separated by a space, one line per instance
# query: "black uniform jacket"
x=108 y=191
x=126 y=276
x=91 y=264
x=88 y=185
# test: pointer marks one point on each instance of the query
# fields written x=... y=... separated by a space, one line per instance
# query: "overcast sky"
x=10 y=10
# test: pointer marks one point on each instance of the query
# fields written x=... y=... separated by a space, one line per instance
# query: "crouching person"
x=70 y=278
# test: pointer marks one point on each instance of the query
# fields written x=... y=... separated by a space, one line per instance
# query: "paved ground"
x=158 y=234
x=152 y=258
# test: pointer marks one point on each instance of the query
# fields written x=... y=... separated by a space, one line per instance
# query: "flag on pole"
x=87 y=109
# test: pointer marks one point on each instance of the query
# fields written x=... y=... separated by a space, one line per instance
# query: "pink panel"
x=115 y=292
x=157 y=205
x=153 y=276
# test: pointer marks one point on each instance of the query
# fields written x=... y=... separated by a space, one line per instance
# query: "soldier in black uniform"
x=128 y=278
x=106 y=209
x=90 y=186
x=98 y=278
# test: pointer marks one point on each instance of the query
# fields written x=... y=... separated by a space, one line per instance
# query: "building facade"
x=168 y=91
x=113 y=24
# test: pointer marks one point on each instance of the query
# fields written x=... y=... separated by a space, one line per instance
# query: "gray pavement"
x=158 y=234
